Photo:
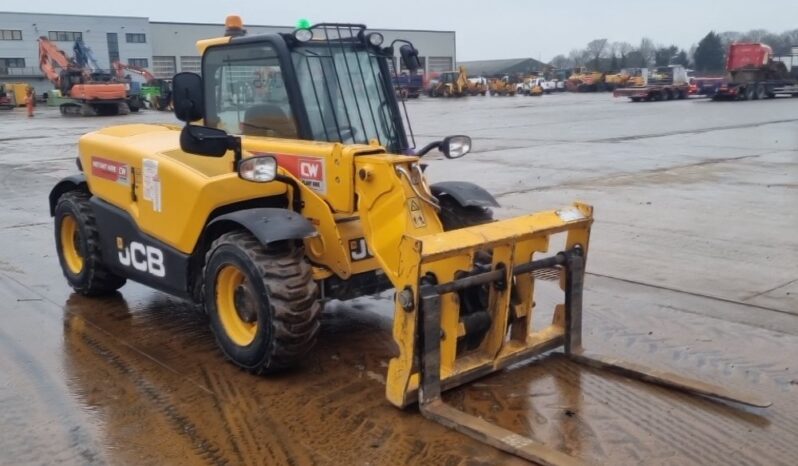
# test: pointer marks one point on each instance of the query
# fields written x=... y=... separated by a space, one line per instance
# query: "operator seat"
x=268 y=120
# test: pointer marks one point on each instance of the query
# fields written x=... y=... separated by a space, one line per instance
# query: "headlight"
x=375 y=39
x=303 y=35
x=260 y=168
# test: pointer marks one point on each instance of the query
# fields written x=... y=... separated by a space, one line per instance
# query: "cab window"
x=245 y=92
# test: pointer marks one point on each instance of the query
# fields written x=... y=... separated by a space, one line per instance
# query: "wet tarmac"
x=693 y=268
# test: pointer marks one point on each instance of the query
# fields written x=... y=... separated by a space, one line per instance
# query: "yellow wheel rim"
x=237 y=305
x=70 y=240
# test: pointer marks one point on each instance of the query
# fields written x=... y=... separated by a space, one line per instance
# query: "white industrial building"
x=164 y=48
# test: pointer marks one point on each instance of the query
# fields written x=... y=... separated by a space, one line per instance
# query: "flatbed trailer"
x=754 y=74
x=654 y=92
x=756 y=90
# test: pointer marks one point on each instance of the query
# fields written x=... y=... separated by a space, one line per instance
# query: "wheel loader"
x=456 y=84
x=502 y=86
x=262 y=206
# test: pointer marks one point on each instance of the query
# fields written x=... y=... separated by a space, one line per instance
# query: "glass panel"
x=138 y=62
x=246 y=92
x=113 y=47
x=344 y=94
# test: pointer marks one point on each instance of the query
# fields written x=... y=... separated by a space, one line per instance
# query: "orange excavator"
x=82 y=94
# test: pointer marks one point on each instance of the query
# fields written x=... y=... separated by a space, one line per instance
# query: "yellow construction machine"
x=502 y=86
x=626 y=77
x=455 y=84
x=265 y=204
x=582 y=80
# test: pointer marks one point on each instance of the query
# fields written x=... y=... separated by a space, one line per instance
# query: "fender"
x=466 y=194
x=268 y=224
x=70 y=183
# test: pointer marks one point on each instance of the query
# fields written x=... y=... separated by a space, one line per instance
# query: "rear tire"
x=636 y=99
x=262 y=303
x=760 y=92
x=749 y=93
x=77 y=242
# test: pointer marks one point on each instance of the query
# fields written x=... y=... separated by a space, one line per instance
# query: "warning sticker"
x=110 y=170
x=416 y=214
x=151 y=184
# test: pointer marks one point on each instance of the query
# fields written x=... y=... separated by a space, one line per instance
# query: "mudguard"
x=268 y=224
x=70 y=183
x=466 y=194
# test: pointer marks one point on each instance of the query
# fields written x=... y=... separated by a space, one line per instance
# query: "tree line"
x=708 y=55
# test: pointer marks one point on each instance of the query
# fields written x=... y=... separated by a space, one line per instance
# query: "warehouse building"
x=511 y=66
x=163 y=48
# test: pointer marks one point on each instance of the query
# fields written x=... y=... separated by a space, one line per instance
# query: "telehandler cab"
x=299 y=185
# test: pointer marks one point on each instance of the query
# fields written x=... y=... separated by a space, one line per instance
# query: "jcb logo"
x=359 y=250
x=310 y=170
x=142 y=258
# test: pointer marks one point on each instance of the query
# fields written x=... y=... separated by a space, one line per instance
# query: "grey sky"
x=485 y=29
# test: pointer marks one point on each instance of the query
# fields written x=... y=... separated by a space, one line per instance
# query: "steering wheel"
x=346 y=132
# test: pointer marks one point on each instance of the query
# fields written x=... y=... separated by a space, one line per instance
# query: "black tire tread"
x=453 y=216
x=292 y=292
x=100 y=280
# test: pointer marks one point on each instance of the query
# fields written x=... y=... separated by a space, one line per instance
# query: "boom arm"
x=120 y=68
x=51 y=56
x=84 y=56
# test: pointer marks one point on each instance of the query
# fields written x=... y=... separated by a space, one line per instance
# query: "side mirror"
x=203 y=140
x=187 y=94
x=410 y=57
x=454 y=147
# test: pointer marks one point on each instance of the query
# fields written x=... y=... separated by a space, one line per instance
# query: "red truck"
x=753 y=74
x=663 y=83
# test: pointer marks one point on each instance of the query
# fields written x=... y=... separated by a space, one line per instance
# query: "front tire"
x=262 y=303
x=77 y=242
x=453 y=216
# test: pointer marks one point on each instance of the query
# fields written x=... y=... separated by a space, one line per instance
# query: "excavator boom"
x=120 y=69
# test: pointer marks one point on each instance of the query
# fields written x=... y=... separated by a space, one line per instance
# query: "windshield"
x=344 y=92
x=246 y=92
x=448 y=77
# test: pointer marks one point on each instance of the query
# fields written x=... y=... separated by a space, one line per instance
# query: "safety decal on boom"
x=416 y=214
x=110 y=170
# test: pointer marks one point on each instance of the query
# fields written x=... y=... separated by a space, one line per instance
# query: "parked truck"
x=663 y=83
x=408 y=86
x=753 y=74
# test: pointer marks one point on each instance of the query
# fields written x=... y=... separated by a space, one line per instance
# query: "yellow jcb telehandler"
x=265 y=204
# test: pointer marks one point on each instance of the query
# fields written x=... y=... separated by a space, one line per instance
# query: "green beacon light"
x=303 y=24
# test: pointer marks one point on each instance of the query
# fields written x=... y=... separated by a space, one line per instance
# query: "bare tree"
x=596 y=49
x=576 y=57
x=647 y=50
x=560 y=61
x=756 y=35
x=621 y=50
x=729 y=37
